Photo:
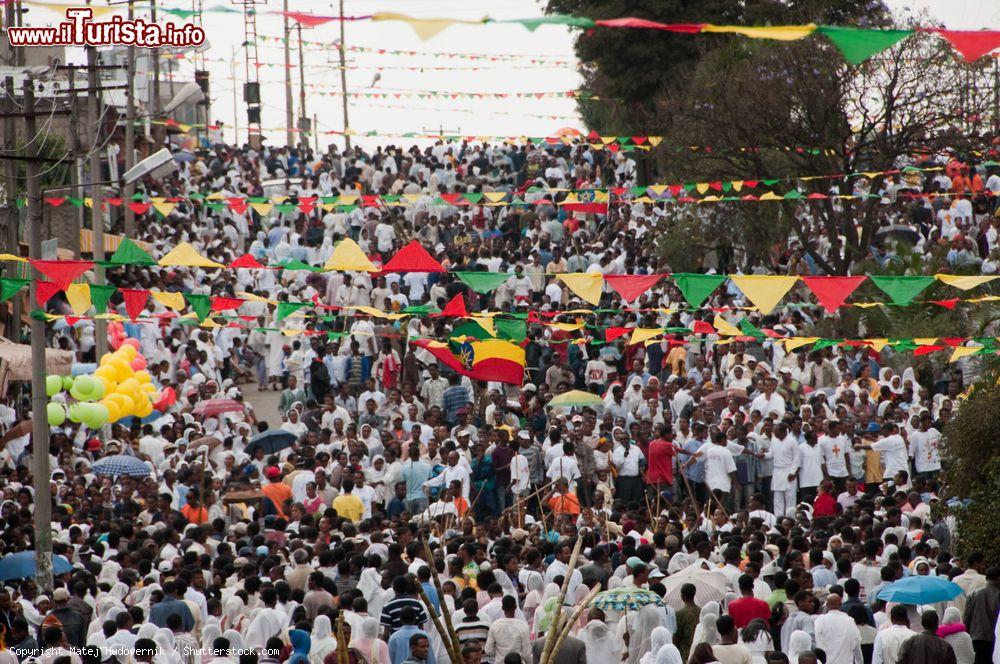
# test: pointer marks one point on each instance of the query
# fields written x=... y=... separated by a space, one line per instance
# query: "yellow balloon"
x=122 y=370
x=114 y=413
x=148 y=388
x=128 y=405
x=128 y=351
x=109 y=385
x=106 y=372
x=129 y=386
x=143 y=408
x=106 y=359
x=143 y=377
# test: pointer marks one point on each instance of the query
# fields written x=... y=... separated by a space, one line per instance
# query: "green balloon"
x=84 y=384
x=95 y=415
x=56 y=414
x=67 y=382
x=75 y=413
x=53 y=385
x=98 y=391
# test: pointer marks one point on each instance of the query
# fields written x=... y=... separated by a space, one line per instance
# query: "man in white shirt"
x=784 y=453
x=627 y=458
x=769 y=402
x=720 y=466
x=453 y=471
x=837 y=634
x=560 y=566
x=833 y=445
x=565 y=465
x=924 y=448
x=892 y=447
x=889 y=640
x=810 y=467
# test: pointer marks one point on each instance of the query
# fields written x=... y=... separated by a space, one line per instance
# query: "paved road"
x=265 y=404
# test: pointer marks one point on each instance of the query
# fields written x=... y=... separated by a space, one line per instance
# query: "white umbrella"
x=710 y=585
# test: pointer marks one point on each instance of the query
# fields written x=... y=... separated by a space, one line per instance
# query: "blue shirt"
x=454 y=397
x=399 y=644
x=168 y=606
x=696 y=471
x=415 y=473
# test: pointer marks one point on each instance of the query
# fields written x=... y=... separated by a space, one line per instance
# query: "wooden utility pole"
x=343 y=78
x=158 y=130
x=130 y=129
x=39 y=399
x=97 y=202
x=13 y=239
x=303 y=118
x=289 y=110
x=77 y=145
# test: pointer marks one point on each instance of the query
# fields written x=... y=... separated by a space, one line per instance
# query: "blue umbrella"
x=21 y=565
x=121 y=464
x=271 y=441
x=919 y=590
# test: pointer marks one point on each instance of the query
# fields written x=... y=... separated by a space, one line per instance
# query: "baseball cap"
x=60 y=595
x=272 y=472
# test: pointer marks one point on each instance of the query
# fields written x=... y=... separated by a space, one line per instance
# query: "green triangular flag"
x=857 y=45
x=483 y=282
x=286 y=309
x=824 y=343
x=100 y=296
x=749 y=329
x=78 y=202
x=202 y=305
x=903 y=344
x=902 y=290
x=697 y=287
x=129 y=253
x=296 y=264
x=512 y=330
x=11 y=287
x=470 y=329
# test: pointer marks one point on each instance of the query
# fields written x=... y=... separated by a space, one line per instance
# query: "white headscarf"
x=706 y=630
x=323 y=642
x=641 y=628
x=669 y=654
x=660 y=637
x=798 y=642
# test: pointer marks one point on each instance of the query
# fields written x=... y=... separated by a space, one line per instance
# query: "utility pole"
x=236 y=103
x=74 y=121
x=39 y=400
x=13 y=239
x=130 y=129
x=303 y=118
x=158 y=130
x=97 y=202
x=343 y=77
x=289 y=111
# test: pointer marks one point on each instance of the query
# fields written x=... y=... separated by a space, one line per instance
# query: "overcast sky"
x=490 y=116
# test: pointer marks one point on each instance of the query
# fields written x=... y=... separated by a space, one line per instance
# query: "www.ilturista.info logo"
x=80 y=30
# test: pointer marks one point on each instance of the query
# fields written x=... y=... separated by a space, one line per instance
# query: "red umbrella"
x=216 y=406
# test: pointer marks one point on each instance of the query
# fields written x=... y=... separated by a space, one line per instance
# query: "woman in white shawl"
x=798 y=642
x=660 y=637
x=322 y=640
x=546 y=609
x=669 y=654
x=603 y=645
x=375 y=475
x=236 y=643
x=706 y=630
x=209 y=633
x=373 y=649
x=640 y=630
x=166 y=647
x=234 y=614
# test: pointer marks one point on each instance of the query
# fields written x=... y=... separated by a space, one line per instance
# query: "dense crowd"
x=756 y=501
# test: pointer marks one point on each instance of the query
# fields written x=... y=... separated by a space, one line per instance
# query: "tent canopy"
x=16 y=358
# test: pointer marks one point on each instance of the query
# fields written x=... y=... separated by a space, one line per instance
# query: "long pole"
x=158 y=130
x=39 y=416
x=130 y=130
x=289 y=110
x=302 y=92
x=236 y=102
x=10 y=187
x=343 y=78
x=96 y=213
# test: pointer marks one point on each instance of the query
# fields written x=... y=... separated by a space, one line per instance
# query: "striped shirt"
x=392 y=609
x=472 y=629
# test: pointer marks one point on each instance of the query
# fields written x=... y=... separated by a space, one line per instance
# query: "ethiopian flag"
x=487 y=359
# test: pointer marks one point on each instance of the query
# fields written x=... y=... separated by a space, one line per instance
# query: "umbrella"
x=626 y=599
x=719 y=400
x=899 y=232
x=710 y=586
x=183 y=156
x=271 y=441
x=216 y=406
x=121 y=464
x=576 y=398
x=919 y=590
x=21 y=565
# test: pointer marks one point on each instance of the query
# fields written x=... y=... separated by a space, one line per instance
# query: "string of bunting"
x=763 y=292
x=413 y=68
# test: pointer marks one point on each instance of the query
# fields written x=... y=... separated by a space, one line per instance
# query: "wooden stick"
x=694 y=499
x=534 y=493
x=556 y=625
x=564 y=632
x=446 y=614
x=343 y=657
x=456 y=658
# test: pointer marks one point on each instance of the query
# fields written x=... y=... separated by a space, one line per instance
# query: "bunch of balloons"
x=120 y=387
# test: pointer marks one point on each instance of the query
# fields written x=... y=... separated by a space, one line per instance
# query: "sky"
x=504 y=117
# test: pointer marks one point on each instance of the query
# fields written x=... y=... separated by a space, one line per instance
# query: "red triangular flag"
x=140 y=208
x=246 y=260
x=631 y=286
x=701 y=327
x=224 y=303
x=833 y=291
x=44 y=290
x=455 y=307
x=925 y=350
x=55 y=201
x=612 y=333
x=62 y=273
x=947 y=304
x=114 y=201
x=972 y=44
x=413 y=258
x=135 y=301
x=954 y=341
x=237 y=205
x=306 y=207
x=72 y=320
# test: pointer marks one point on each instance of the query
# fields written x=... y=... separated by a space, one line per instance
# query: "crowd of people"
x=757 y=501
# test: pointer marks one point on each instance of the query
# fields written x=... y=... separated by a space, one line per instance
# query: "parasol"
x=216 y=406
x=919 y=590
x=121 y=464
x=710 y=585
x=576 y=398
x=21 y=565
x=626 y=599
x=271 y=441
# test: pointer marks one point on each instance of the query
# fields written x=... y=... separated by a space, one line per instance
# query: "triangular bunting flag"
x=78 y=296
x=62 y=273
x=220 y=303
x=202 y=305
x=902 y=290
x=44 y=290
x=964 y=282
x=612 y=333
x=972 y=44
x=348 y=256
x=135 y=301
x=482 y=282
x=832 y=291
x=455 y=308
x=246 y=260
x=100 y=295
x=11 y=287
x=725 y=328
x=701 y=327
x=697 y=287
x=639 y=335
x=413 y=258
x=587 y=285
x=185 y=255
x=631 y=286
x=173 y=301
x=963 y=351
x=798 y=342
x=751 y=330
x=129 y=253
x=286 y=309
x=764 y=290
x=857 y=44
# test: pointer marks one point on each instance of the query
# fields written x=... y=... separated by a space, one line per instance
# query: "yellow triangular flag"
x=78 y=296
x=263 y=209
x=209 y=323
x=963 y=282
x=798 y=342
x=640 y=334
x=494 y=196
x=653 y=140
x=877 y=344
x=963 y=351
x=779 y=32
x=925 y=341
x=185 y=255
x=702 y=187
x=347 y=255
x=164 y=208
x=770 y=196
x=764 y=290
x=567 y=327
x=737 y=185
x=12 y=257
x=725 y=328
x=487 y=324
x=173 y=301
x=587 y=285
